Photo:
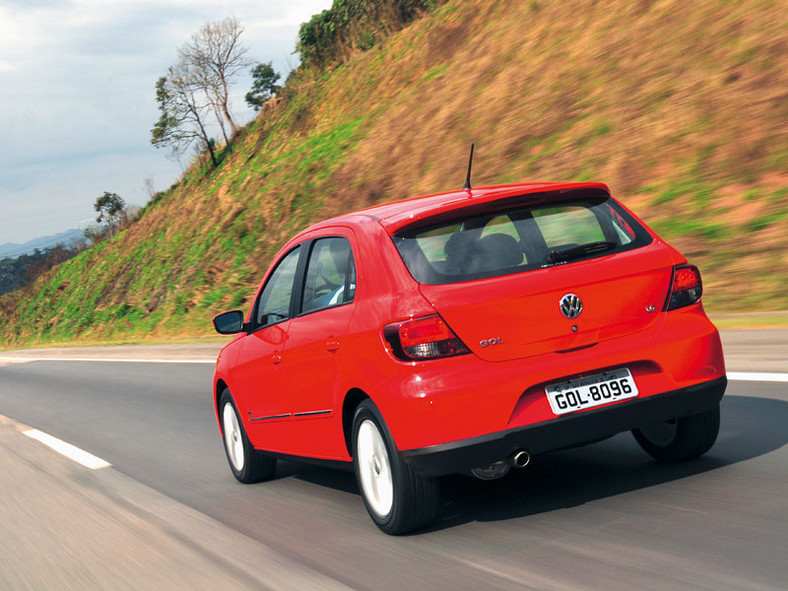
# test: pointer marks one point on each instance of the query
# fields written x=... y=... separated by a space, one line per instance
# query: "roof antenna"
x=467 y=185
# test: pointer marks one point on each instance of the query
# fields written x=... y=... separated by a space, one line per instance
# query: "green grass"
x=750 y=320
x=766 y=221
x=435 y=72
x=673 y=227
x=652 y=111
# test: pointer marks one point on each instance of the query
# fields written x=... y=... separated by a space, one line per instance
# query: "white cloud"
x=78 y=96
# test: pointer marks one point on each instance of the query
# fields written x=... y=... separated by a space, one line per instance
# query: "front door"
x=315 y=340
x=261 y=382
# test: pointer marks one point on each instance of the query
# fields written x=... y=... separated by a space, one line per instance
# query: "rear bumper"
x=567 y=431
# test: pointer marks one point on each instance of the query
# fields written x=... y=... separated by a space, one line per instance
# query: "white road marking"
x=108 y=360
x=739 y=376
x=743 y=376
x=70 y=451
x=11 y=360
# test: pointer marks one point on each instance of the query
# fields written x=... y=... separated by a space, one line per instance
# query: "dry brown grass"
x=681 y=107
x=631 y=91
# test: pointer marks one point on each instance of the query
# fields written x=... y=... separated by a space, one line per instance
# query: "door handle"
x=276 y=358
x=332 y=345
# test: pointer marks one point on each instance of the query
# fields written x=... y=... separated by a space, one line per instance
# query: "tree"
x=183 y=112
x=110 y=207
x=198 y=84
x=263 y=86
x=23 y=270
x=149 y=187
x=215 y=57
x=332 y=35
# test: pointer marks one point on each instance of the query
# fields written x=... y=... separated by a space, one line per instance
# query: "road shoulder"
x=760 y=350
x=64 y=526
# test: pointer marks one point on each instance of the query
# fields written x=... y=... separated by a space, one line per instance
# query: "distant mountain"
x=11 y=250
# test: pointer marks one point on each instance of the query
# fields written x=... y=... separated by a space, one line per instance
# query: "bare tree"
x=216 y=56
x=148 y=187
x=183 y=112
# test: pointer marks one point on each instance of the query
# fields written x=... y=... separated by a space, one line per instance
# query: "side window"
x=330 y=275
x=274 y=305
x=501 y=224
x=562 y=226
x=433 y=242
x=505 y=250
x=623 y=230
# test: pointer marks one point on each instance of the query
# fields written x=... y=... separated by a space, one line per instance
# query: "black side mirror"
x=229 y=322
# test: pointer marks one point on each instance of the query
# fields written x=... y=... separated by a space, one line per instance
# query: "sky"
x=77 y=97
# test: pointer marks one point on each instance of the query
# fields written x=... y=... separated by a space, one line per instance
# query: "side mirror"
x=229 y=322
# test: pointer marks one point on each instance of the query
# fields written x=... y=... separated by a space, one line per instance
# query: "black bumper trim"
x=567 y=431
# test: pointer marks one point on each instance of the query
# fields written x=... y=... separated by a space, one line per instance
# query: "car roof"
x=396 y=214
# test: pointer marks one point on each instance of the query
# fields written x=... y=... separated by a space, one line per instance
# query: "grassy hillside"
x=679 y=106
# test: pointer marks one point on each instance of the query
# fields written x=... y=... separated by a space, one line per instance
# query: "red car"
x=465 y=332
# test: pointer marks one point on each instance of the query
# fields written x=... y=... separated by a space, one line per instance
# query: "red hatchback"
x=463 y=333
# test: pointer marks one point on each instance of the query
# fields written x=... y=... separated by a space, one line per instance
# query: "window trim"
x=255 y=325
x=300 y=313
x=299 y=283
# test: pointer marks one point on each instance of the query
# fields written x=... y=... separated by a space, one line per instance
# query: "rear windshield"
x=517 y=239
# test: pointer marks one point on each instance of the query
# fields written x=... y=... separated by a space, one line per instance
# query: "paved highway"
x=603 y=516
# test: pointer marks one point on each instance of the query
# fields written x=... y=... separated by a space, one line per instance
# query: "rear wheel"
x=680 y=439
x=397 y=498
x=246 y=463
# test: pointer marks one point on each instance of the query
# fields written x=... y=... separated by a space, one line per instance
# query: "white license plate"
x=591 y=391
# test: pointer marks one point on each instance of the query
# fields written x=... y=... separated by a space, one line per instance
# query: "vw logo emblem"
x=571 y=305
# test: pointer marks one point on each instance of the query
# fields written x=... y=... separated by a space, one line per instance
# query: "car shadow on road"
x=751 y=427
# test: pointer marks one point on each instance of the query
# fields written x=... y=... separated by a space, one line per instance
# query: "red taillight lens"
x=428 y=337
x=686 y=287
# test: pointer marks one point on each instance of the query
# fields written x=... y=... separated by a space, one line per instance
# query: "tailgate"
x=514 y=316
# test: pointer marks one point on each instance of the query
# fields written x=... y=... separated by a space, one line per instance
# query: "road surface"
x=603 y=516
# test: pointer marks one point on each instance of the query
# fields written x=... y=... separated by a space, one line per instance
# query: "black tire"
x=681 y=439
x=250 y=465
x=414 y=498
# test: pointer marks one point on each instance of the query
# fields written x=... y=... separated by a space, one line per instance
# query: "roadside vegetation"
x=21 y=271
x=679 y=106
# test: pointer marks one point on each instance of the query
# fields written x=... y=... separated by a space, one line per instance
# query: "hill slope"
x=680 y=107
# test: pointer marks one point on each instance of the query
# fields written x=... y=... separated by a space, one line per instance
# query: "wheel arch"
x=220 y=387
x=353 y=398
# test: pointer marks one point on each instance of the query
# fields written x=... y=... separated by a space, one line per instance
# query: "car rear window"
x=519 y=238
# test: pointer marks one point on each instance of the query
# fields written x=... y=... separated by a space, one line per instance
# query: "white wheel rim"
x=233 y=440
x=662 y=433
x=374 y=468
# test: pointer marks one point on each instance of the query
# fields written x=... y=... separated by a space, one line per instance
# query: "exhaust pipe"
x=520 y=459
x=492 y=472
x=496 y=470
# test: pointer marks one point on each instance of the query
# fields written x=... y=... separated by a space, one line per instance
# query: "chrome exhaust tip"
x=520 y=459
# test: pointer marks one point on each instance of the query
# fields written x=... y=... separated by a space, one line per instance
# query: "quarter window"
x=274 y=305
x=330 y=275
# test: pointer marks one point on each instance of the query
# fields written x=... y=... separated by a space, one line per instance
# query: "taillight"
x=686 y=287
x=428 y=337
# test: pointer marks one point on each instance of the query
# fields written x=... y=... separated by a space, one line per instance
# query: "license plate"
x=595 y=390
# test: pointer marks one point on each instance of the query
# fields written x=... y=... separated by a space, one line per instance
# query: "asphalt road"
x=603 y=516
